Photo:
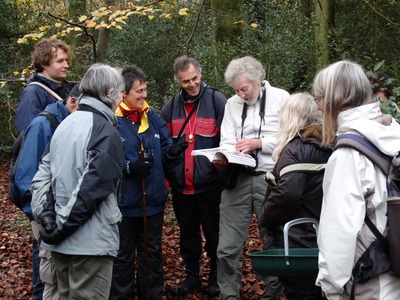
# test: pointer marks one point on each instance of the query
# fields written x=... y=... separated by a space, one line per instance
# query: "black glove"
x=177 y=149
x=52 y=238
x=140 y=167
x=48 y=221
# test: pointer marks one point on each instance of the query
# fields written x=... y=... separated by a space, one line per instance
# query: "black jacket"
x=297 y=194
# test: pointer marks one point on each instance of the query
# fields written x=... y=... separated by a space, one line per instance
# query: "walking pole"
x=146 y=250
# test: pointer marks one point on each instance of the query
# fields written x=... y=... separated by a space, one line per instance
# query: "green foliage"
x=9 y=94
x=381 y=81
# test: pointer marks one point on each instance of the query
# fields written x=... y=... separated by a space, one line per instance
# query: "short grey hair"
x=104 y=83
x=245 y=65
x=182 y=63
x=343 y=85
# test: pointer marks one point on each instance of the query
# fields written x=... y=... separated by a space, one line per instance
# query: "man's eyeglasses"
x=318 y=99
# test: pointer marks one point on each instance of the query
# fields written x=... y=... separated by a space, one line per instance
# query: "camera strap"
x=261 y=113
x=196 y=104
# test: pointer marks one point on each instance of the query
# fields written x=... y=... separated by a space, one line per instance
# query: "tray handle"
x=286 y=233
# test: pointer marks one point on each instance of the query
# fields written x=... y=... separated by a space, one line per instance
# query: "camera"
x=147 y=155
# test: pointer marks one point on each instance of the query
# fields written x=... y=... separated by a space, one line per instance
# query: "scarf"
x=134 y=115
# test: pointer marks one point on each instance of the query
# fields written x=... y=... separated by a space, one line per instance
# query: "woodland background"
x=292 y=38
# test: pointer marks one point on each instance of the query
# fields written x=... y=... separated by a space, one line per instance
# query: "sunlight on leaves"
x=121 y=20
x=90 y=23
x=43 y=28
x=22 y=41
x=183 y=11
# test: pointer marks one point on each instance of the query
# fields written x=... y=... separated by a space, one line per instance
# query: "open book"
x=235 y=157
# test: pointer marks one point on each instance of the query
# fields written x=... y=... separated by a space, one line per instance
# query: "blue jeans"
x=37 y=284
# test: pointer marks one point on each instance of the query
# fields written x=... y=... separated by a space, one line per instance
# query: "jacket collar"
x=101 y=107
x=185 y=98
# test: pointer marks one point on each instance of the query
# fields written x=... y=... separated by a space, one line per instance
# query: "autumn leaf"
x=183 y=11
x=90 y=23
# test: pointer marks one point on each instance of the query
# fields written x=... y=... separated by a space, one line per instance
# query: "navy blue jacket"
x=34 y=99
x=36 y=138
x=157 y=140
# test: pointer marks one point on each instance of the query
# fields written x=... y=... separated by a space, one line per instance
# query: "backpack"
x=384 y=253
x=13 y=193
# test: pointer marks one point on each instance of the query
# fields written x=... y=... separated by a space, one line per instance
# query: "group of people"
x=95 y=188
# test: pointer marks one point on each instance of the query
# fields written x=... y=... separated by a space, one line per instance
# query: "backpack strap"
x=376 y=156
x=366 y=148
x=379 y=159
x=303 y=167
x=50 y=91
x=53 y=120
x=298 y=167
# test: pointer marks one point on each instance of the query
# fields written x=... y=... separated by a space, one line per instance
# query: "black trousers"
x=131 y=233
x=301 y=289
x=193 y=211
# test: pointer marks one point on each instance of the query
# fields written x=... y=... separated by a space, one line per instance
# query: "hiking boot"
x=190 y=284
x=213 y=287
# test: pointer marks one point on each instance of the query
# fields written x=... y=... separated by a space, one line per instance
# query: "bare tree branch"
x=194 y=27
x=83 y=27
x=380 y=14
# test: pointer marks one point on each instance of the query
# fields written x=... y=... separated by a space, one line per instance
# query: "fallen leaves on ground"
x=16 y=253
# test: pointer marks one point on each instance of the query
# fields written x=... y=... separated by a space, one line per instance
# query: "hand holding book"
x=220 y=154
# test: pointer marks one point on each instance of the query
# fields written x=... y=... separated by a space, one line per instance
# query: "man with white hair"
x=249 y=125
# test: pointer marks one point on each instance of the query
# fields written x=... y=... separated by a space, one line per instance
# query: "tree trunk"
x=102 y=44
x=324 y=20
x=77 y=8
x=104 y=38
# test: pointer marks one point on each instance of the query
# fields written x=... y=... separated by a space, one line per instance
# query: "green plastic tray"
x=303 y=262
x=288 y=262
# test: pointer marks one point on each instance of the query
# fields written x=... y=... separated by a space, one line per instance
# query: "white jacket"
x=231 y=124
x=353 y=185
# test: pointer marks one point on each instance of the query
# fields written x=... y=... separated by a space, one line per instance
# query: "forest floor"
x=16 y=253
